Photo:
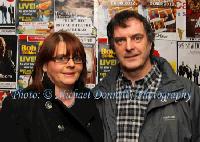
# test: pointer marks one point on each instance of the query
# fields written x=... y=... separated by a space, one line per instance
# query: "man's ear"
x=44 y=68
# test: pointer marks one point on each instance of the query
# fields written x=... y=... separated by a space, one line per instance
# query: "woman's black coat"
x=42 y=118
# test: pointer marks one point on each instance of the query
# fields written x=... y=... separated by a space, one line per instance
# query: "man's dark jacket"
x=174 y=119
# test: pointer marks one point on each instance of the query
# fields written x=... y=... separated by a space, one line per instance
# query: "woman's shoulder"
x=20 y=99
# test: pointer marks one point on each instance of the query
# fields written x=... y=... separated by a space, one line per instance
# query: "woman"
x=56 y=106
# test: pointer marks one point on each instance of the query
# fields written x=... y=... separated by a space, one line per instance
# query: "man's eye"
x=137 y=38
x=120 y=40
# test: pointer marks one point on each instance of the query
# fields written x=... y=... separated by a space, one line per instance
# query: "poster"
x=28 y=46
x=168 y=50
x=188 y=60
x=34 y=16
x=181 y=19
x=7 y=17
x=106 y=9
x=8 y=56
x=160 y=13
x=75 y=16
x=89 y=45
x=101 y=17
x=3 y=95
x=106 y=58
x=162 y=16
x=193 y=18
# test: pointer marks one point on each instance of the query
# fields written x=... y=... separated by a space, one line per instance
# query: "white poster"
x=168 y=50
x=189 y=60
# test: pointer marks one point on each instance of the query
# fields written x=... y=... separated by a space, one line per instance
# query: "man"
x=143 y=99
x=4 y=13
x=11 y=11
x=7 y=66
x=182 y=69
x=143 y=8
x=196 y=74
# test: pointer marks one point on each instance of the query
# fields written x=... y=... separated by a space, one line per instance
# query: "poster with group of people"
x=7 y=17
x=188 y=60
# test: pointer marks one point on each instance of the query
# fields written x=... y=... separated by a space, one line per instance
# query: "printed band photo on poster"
x=8 y=56
x=188 y=60
x=7 y=17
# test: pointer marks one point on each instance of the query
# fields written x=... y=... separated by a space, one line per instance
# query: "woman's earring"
x=42 y=76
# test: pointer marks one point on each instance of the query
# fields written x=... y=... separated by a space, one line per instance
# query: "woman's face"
x=62 y=74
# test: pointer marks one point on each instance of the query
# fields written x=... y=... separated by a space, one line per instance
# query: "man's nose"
x=129 y=44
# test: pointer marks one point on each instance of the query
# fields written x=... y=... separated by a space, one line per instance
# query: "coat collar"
x=170 y=84
x=83 y=110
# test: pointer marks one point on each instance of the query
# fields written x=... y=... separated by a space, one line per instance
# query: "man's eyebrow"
x=134 y=35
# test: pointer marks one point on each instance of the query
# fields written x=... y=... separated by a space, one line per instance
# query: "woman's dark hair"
x=120 y=20
x=46 y=52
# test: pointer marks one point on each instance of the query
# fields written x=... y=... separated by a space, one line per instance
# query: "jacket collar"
x=169 y=85
x=83 y=110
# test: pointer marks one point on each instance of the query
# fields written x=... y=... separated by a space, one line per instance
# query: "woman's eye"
x=62 y=58
x=77 y=59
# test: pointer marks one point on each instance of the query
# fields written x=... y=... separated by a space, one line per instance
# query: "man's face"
x=144 y=2
x=132 y=46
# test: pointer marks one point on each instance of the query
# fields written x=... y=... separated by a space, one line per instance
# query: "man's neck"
x=139 y=73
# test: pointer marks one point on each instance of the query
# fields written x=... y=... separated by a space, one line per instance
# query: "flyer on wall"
x=75 y=16
x=193 y=18
x=162 y=16
x=188 y=60
x=7 y=17
x=160 y=13
x=34 y=16
x=105 y=10
x=8 y=58
x=28 y=47
x=106 y=58
x=168 y=50
x=89 y=43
